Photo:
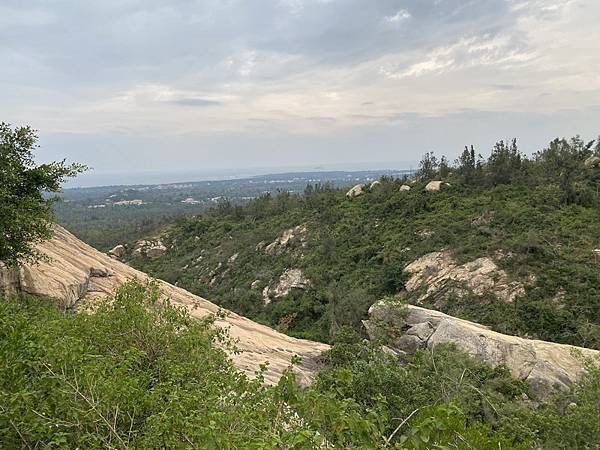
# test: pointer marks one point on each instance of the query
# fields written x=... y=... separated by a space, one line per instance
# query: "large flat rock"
x=546 y=366
x=75 y=271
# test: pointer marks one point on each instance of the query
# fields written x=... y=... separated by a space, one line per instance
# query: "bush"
x=138 y=372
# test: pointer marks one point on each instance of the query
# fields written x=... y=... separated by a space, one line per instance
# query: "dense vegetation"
x=98 y=216
x=137 y=373
x=133 y=371
x=541 y=224
x=25 y=213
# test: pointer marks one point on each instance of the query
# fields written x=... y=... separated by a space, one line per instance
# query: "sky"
x=183 y=89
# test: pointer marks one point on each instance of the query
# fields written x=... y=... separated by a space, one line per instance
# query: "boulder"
x=484 y=219
x=592 y=162
x=436 y=185
x=375 y=184
x=290 y=279
x=139 y=248
x=148 y=249
x=101 y=272
x=355 y=191
x=266 y=296
x=10 y=280
x=424 y=234
x=117 y=251
x=546 y=366
x=433 y=186
x=404 y=188
x=438 y=275
x=156 y=250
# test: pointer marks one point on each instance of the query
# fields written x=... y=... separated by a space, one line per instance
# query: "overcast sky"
x=181 y=87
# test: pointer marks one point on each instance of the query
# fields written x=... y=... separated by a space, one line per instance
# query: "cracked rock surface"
x=438 y=272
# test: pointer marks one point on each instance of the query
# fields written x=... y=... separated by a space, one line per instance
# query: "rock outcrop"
x=117 y=251
x=290 y=279
x=404 y=188
x=286 y=239
x=67 y=277
x=355 y=191
x=546 y=366
x=375 y=184
x=438 y=273
x=433 y=186
x=149 y=249
x=592 y=162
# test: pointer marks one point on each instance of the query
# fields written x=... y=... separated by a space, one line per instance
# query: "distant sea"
x=98 y=178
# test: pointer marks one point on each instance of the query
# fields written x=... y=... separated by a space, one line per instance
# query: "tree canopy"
x=25 y=208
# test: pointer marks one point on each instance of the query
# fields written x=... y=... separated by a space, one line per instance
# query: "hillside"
x=508 y=243
x=132 y=370
x=77 y=275
x=513 y=241
x=106 y=215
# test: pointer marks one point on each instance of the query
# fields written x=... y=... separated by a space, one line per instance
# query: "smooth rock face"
x=355 y=191
x=404 y=188
x=66 y=278
x=546 y=366
x=434 y=272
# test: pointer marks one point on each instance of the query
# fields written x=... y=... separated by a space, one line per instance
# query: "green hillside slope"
x=537 y=218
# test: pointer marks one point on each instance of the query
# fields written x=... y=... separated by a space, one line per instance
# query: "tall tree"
x=25 y=208
x=428 y=166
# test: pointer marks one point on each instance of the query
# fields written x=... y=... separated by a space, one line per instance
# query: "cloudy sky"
x=140 y=87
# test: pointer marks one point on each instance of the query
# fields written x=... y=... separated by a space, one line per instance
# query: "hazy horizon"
x=92 y=179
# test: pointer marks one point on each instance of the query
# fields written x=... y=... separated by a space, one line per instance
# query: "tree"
x=25 y=208
x=467 y=164
x=428 y=166
x=444 y=167
x=504 y=164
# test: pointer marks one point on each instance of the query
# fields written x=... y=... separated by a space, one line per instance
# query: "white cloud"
x=467 y=52
x=400 y=16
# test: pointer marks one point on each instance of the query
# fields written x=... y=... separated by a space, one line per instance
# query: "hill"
x=511 y=242
x=141 y=365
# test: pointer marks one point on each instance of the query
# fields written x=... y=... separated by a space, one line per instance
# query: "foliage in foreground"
x=140 y=374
